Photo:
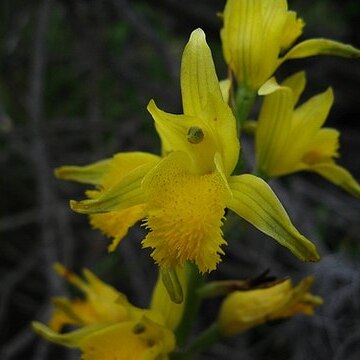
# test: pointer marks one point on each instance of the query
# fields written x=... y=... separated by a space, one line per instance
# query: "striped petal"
x=314 y=47
x=254 y=201
x=296 y=83
x=273 y=127
x=198 y=76
x=125 y=194
x=306 y=122
x=292 y=30
x=88 y=174
x=251 y=33
x=338 y=176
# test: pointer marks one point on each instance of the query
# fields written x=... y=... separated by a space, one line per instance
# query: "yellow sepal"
x=254 y=201
x=314 y=47
x=88 y=174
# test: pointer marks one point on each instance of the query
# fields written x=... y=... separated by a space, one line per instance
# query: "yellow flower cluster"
x=242 y=310
x=109 y=326
x=257 y=38
x=181 y=195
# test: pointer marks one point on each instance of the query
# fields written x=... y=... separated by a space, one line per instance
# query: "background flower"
x=91 y=64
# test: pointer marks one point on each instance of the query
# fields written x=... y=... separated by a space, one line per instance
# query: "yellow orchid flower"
x=111 y=327
x=183 y=195
x=290 y=140
x=243 y=310
x=256 y=35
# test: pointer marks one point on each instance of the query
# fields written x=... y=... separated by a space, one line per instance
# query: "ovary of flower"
x=243 y=310
x=290 y=139
x=109 y=326
x=256 y=35
x=183 y=195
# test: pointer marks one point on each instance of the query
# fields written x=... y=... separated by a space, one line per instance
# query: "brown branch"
x=17 y=220
x=45 y=195
x=23 y=338
x=9 y=282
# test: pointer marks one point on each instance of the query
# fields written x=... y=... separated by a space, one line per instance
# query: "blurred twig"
x=17 y=220
x=145 y=30
x=12 y=279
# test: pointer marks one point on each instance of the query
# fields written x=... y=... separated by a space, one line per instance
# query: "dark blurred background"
x=75 y=79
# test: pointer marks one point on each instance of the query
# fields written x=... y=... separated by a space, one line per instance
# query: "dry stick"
x=23 y=338
x=45 y=196
x=17 y=220
x=67 y=238
x=88 y=39
x=145 y=30
x=12 y=279
x=139 y=282
x=195 y=12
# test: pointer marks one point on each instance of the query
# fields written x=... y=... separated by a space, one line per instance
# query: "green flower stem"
x=223 y=287
x=244 y=101
x=207 y=338
x=192 y=303
x=249 y=127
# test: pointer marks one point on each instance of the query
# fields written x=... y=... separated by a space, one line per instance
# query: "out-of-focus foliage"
x=75 y=79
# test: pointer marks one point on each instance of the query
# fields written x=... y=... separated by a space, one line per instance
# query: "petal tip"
x=60 y=172
x=198 y=33
x=78 y=206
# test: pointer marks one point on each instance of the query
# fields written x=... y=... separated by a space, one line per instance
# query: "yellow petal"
x=71 y=277
x=198 y=76
x=185 y=214
x=251 y=33
x=172 y=128
x=242 y=310
x=101 y=302
x=125 y=194
x=292 y=30
x=256 y=203
x=75 y=312
x=123 y=163
x=269 y=87
x=312 y=114
x=89 y=174
x=321 y=47
x=300 y=301
x=274 y=125
x=218 y=127
x=67 y=312
x=306 y=122
x=144 y=340
x=225 y=87
x=176 y=130
x=324 y=147
x=296 y=83
x=223 y=125
x=116 y=224
x=208 y=125
x=160 y=301
x=73 y=339
x=338 y=176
